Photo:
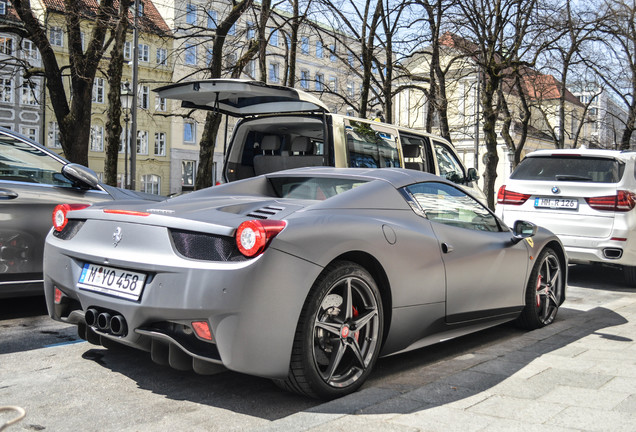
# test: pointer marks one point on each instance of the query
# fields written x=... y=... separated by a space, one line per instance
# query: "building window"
x=350 y=59
x=6 y=90
x=209 y=55
x=140 y=8
x=318 y=49
x=53 y=136
x=332 y=53
x=162 y=56
x=151 y=183
x=29 y=93
x=333 y=83
x=304 y=79
x=160 y=144
x=30 y=51
x=3 y=7
x=189 y=132
x=191 y=14
x=231 y=60
x=56 y=36
x=128 y=50
x=232 y=30
x=83 y=41
x=161 y=104
x=29 y=132
x=211 y=19
x=190 y=54
x=250 y=69
x=6 y=45
x=144 y=97
x=187 y=173
x=251 y=30
x=97 y=138
x=144 y=53
x=98 y=90
x=142 y=142
x=351 y=89
x=304 y=45
x=274 y=72
x=319 y=80
x=273 y=38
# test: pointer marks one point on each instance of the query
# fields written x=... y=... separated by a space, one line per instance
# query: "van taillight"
x=509 y=197
x=623 y=201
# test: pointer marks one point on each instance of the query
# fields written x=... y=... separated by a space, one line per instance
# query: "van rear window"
x=368 y=148
x=312 y=188
x=570 y=168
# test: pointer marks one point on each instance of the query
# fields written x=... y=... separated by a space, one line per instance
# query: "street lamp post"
x=126 y=104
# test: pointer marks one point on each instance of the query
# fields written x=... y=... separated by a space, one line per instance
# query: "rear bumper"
x=584 y=250
x=252 y=308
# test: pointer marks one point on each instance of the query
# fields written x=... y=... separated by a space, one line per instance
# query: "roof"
x=150 y=21
x=624 y=155
x=536 y=85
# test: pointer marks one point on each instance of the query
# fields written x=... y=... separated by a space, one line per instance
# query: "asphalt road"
x=68 y=384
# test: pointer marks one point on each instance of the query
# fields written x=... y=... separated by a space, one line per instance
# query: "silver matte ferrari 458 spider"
x=304 y=276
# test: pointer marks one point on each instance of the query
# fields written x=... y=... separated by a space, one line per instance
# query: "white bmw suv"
x=586 y=197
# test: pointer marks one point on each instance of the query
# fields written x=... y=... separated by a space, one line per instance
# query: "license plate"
x=112 y=281
x=557 y=203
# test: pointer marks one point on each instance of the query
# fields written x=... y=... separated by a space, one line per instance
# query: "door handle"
x=6 y=194
x=446 y=248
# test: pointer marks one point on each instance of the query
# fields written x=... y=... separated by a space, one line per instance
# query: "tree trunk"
x=113 y=123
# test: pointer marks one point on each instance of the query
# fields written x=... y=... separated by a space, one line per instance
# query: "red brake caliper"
x=538 y=288
x=355 y=315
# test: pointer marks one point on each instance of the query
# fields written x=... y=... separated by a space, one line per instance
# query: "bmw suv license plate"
x=557 y=203
x=112 y=281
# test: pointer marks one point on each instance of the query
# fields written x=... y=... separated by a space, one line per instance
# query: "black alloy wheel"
x=544 y=291
x=339 y=335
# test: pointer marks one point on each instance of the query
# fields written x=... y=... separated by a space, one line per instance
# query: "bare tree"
x=74 y=115
x=618 y=27
x=499 y=29
x=115 y=67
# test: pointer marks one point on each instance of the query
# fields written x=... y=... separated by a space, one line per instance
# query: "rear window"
x=570 y=168
x=313 y=188
x=369 y=148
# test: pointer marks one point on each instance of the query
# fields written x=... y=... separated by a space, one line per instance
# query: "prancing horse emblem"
x=117 y=236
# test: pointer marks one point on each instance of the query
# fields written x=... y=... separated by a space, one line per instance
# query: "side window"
x=449 y=167
x=414 y=153
x=370 y=148
x=445 y=204
x=22 y=162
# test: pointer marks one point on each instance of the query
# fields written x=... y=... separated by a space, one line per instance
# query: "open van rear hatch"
x=241 y=98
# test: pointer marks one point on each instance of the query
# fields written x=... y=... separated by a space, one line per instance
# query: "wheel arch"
x=373 y=266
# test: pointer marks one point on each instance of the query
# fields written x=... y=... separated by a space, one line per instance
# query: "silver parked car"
x=305 y=276
x=33 y=180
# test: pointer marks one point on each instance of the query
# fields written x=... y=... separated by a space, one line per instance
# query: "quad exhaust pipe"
x=105 y=322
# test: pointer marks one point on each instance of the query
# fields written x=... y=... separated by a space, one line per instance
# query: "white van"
x=282 y=128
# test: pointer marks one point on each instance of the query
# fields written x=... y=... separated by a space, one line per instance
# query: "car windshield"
x=570 y=168
x=313 y=188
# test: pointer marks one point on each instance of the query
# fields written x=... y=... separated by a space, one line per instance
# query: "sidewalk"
x=578 y=374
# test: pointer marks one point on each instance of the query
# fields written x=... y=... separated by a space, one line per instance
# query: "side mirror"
x=472 y=175
x=81 y=176
x=523 y=229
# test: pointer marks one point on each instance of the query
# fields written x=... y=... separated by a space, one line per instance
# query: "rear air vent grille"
x=205 y=247
x=265 y=212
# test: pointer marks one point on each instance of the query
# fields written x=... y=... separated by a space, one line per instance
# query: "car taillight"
x=125 y=212
x=509 y=197
x=623 y=201
x=59 y=214
x=253 y=236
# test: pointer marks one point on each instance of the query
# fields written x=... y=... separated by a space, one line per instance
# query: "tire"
x=629 y=272
x=544 y=292
x=339 y=334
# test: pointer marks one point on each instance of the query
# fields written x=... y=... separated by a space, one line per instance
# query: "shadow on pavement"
x=434 y=375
